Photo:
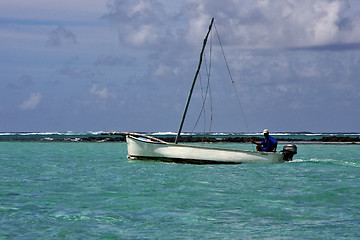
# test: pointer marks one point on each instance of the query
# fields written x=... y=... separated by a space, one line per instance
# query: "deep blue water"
x=89 y=190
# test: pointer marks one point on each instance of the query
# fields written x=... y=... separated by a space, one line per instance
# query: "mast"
x=193 y=84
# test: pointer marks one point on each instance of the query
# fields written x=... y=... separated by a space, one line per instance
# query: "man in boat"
x=269 y=144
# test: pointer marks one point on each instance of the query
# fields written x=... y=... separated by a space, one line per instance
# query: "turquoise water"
x=78 y=190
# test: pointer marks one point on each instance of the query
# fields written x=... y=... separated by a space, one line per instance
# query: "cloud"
x=248 y=24
x=61 y=35
x=114 y=61
x=142 y=35
x=32 y=102
x=24 y=81
x=76 y=73
x=164 y=70
x=101 y=93
x=281 y=24
x=140 y=23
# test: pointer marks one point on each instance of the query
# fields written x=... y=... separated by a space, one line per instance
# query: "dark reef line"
x=190 y=139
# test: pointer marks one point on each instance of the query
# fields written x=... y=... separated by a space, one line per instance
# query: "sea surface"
x=90 y=190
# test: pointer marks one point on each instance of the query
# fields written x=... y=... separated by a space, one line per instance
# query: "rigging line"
x=202 y=111
x=204 y=97
x=232 y=80
x=207 y=92
x=208 y=73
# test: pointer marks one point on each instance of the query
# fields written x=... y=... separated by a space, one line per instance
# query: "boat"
x=144 y=147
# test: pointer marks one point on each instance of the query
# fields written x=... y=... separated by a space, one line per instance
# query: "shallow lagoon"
x=76 y=190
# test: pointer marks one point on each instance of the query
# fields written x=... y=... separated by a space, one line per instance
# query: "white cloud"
x=32 y=102
x=142 y=35
x=138 y=22
x=166 y=71
x=101 y=93
x=197 y=28
x=249 y=24
x=279 y=24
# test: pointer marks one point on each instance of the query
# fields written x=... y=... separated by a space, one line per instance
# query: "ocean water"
x=90 y=190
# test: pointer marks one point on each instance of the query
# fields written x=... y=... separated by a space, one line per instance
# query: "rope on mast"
x=232 y=80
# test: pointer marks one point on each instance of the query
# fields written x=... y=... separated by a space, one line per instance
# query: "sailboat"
x=143 y=147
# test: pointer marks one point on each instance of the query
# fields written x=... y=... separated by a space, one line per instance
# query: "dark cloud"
x=23 y=81
x=331 y=47
x=76 y=73
x=59 y=36
x=345 y=24
x=114 y=61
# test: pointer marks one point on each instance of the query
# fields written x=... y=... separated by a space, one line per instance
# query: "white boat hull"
x=146 y=149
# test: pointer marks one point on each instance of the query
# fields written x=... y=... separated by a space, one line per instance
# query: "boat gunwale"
x=182 y=160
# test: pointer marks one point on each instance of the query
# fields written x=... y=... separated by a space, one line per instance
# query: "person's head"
x=266 y=132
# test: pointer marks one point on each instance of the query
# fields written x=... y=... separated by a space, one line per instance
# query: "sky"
x=127 y=65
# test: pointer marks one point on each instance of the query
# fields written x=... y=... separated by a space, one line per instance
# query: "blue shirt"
x=269 y=144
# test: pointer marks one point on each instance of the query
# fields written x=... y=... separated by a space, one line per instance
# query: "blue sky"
x=127 y=65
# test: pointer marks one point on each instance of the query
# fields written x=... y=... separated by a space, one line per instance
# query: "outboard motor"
x=289 y=151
